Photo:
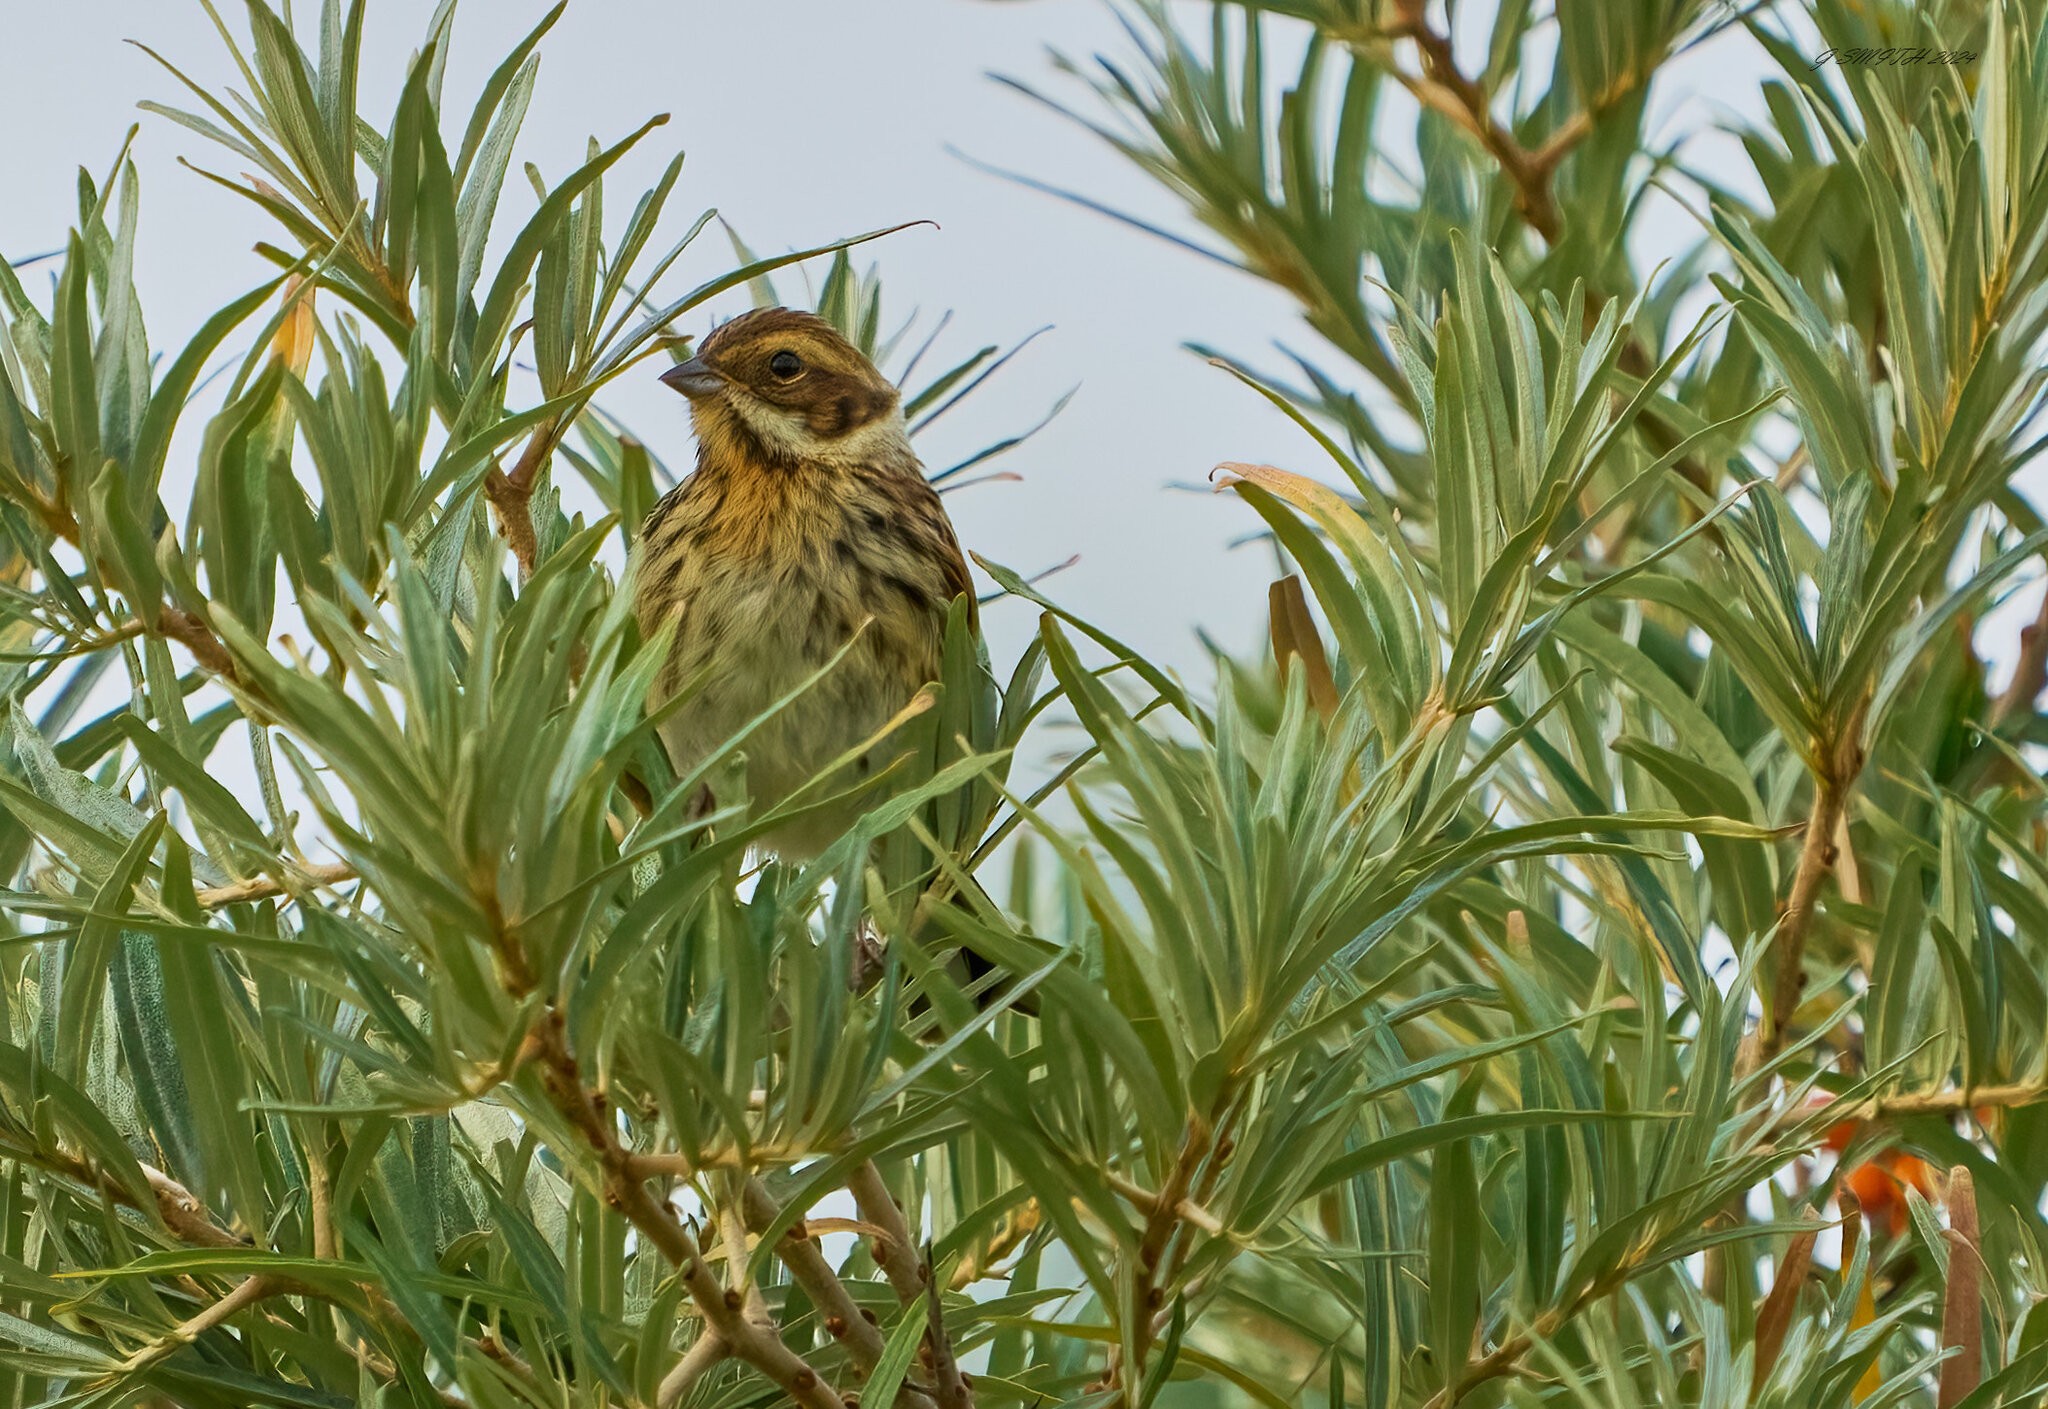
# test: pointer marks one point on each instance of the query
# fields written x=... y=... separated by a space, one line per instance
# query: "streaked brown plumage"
x=807 y=516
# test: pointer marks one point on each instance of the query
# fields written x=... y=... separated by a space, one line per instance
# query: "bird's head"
x=788 y=381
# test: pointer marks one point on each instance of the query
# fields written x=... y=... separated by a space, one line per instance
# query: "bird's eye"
x=786 y=364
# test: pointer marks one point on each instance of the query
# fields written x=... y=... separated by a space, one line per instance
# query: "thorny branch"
x=1443 y=86
x=588 y=1114
x=894 y=1250
x=1506 y=1358
x=1163 y=1220
x=247 y=1293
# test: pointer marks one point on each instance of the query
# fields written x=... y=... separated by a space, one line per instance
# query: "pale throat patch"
x=883 y=438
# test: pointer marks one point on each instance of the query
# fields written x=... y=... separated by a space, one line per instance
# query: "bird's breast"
x=766 y=582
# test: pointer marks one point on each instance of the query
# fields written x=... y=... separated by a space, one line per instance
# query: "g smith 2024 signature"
x=1895 y=57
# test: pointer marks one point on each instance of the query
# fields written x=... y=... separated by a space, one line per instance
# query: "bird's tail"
x=980 y=976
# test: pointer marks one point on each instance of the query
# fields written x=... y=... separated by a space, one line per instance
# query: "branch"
x=1816 y=859
x=1163 y=1220
x=894 y=1250
x=196 y=636
x=172 y=623
x=1149 y=1203
x=845 y=1321
x=655 y=1221
x=515 y=518
x=1775 y=1317
x=512 y=496
x=1841 y=762
x=909 y=1272
x=955 y=1390
x=673 y=1164
x=732 y=1231
x=1558 y=145
x=263 y=887
x=537 y=450
x=186 y=1217
x=1444 y=87
x=1506 y=1358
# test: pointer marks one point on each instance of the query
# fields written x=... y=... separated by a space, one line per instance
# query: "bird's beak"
x=693 y=378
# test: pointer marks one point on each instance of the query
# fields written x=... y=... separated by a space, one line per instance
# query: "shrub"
x=1621 y=874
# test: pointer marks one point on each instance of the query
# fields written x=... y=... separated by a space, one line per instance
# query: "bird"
x=807 y=528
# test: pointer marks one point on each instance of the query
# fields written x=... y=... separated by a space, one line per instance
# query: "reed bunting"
x=808 y=523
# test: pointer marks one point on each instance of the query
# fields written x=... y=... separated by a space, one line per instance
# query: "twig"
x=673 y=1164
x=1775 y=1317
x=1162 y=1221
x=1913 y=1103
x=1506 y=1358
x=732 y=1230
x=1148 y=1203
x=894 y=1250
x=512 y=496
x=245 y=1295
x=320 y=1202
x=955 y=1391
x=186 y=1218
x=1816 y=860
x=172 y=623
x=1558 y=145
x=515 y=518
x=2029 y=673
x=538 y=448
x=197 y=637
x=1444 y=87
x=263 y=887
x=1840 y=763
x=704 y=1353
